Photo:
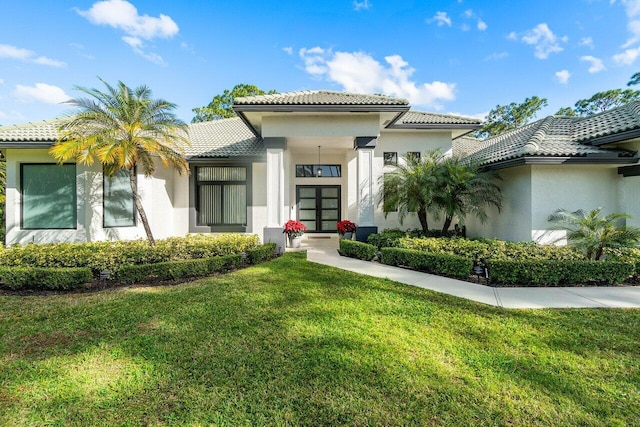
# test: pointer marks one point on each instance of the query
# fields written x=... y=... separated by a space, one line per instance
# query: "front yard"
x=292 y=342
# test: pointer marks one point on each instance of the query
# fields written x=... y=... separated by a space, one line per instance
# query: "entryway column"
x=366 y=203
x=275 y=193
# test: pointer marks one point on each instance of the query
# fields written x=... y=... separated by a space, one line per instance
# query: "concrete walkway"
x=323 y=250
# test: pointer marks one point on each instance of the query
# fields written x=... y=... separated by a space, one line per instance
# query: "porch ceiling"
x=325 y=143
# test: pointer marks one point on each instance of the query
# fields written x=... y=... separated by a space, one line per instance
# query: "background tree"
x=634 y=80
x=593 y=233
x=462 y=189
x=505 y=117
x=601 y=101
x=3 y=197
x=220 y=105
x=123 y=128
x=408 y=188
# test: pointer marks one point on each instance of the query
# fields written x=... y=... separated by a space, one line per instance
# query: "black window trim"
x=75 y=190
x=315 y=165
x=246 y=183
x=135 y=216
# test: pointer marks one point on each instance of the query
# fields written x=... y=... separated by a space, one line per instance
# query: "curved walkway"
x=324 y=251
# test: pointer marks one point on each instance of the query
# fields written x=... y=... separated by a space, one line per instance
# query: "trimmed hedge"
x=450 y=265
x=360 y=250
x=490 y=249
x=261 y=253
x=557 y=272
x=172 y=270
x=113 y=256
x=44 y=278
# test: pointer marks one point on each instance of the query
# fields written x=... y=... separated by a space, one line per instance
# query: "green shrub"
x=450 y=265
x=557 y=272
x=172 y=270
x=44 y=278
x=488 y=249
x=113 y=256
x=360 y=250
x=387 y=238
x=261 y=253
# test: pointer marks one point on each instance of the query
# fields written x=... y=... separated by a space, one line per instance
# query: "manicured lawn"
x=290 y=342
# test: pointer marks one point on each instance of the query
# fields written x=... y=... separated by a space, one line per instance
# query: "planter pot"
x=348 y=236
x=294 y=242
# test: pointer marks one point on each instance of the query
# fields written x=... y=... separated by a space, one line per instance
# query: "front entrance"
x=318 y=207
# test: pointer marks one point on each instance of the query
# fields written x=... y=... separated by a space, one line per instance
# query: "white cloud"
x=632 y=10
x=1 y=81
x=587 y=41
x=512 y=36
x=468 y=13
x=360 y=72
x=441 y=19
x=465 y=27
x=482 y=25
x=627 y=57
x=122 y=15
x=562 y=76
x=288 y=50
x=41 y=92
x=496 y=55
x=360 y=5
x=479 y=116
x=20 y=54
x=543 y=40
x=596 y=64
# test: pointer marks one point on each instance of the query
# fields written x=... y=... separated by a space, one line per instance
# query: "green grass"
x=290 y=342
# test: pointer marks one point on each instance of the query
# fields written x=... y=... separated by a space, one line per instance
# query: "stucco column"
x=365 y=187
x=275 y=187
x=366 y=204
x=275 y=193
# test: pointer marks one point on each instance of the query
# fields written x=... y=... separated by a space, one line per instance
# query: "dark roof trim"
x=199 y=160
x=29 y=144
x=583 y=160
x=469 y=126
x=248 y=123
x=318 y=108
x=616 y=137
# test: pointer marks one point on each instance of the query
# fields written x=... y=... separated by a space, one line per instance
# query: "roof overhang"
x=561 y=160
x=613 y=138
x=251 y=114
x=26 y=144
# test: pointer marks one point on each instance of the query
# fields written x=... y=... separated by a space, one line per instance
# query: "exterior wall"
x=257 y=211
x=403 y=142
x=321 y=125
x=157 y=194
x=532 y=193
x=630 y=199
x=513 y=221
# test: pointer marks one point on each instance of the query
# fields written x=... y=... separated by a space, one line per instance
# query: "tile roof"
x=413 y=117
x=616 y=120
x=223 y=138
x=319 y=97
x=552 y=136
x=45 y=131
x=465 y=146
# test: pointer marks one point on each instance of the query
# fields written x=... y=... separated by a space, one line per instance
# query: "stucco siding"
x=513 y=221
x=321 y=125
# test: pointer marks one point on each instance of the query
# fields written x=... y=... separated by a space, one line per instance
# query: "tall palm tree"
x=408 y=187
x=123 y=128
x=463 y=189
x=593 y=233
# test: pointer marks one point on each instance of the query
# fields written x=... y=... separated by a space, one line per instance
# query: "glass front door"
x=318 y=207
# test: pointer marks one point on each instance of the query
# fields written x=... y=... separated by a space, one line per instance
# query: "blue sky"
x=457 y=56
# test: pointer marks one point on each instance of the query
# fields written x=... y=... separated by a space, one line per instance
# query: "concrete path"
x=323 y=250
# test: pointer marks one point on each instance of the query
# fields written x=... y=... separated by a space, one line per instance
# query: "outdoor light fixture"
x=319 y=169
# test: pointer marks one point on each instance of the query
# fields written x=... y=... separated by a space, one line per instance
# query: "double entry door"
x=318 y=207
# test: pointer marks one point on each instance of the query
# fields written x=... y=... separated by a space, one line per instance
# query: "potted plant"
x=294 y=230
x=346 y=229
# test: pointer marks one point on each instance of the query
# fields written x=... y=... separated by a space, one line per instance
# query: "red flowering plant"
x=293 y=228
x=346 y=226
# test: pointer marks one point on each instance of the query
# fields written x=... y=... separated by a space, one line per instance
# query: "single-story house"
x=316 y=156
x=560 y=163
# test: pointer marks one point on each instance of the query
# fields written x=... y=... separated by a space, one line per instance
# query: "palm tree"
x=409 y=186
x=593 y=233
x=463 y=189
x=123 y=128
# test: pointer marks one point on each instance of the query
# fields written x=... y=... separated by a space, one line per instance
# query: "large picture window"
x=221 y=195
x=119 y=210
x=49 y=198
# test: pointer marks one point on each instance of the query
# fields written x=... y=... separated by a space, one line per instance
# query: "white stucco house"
x=560 y=163
x=315 y=156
